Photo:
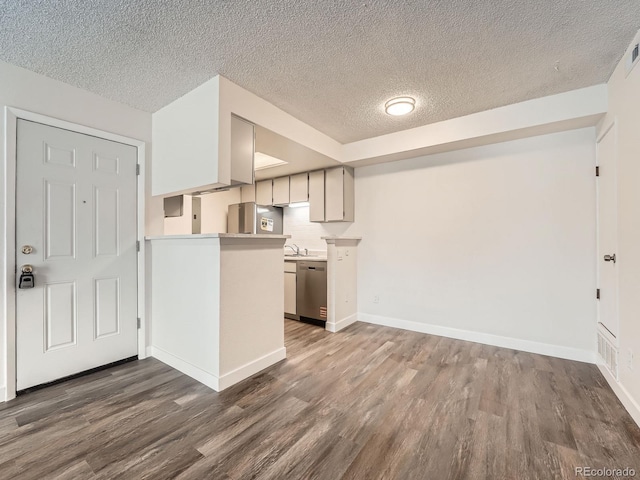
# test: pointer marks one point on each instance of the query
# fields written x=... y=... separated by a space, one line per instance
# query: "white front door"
x=608 y=235
x=76 y=204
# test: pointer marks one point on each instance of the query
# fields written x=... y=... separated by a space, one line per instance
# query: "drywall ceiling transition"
x=330 y=64
x=298 y=157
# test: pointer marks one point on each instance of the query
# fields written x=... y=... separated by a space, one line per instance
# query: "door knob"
x=610 y=258
x=27 y=249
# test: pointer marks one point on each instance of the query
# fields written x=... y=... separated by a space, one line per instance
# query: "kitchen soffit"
x=330 y=64
x=298 y=157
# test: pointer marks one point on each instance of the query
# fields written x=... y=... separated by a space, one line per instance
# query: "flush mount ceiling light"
x=262 y=160
x=400 y=106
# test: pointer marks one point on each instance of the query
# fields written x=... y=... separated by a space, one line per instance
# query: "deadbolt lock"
x=27 y=280
x=27 y=249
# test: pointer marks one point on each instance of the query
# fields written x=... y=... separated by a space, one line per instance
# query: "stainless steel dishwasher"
x=311 y=291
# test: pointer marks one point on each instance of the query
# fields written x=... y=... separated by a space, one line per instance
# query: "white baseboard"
x=3 y=394
x=340 y=324
x=568 y=353
x=252 y=368
x=148 y=352
x=212 y=381
x=623 y=395
x=185 y=367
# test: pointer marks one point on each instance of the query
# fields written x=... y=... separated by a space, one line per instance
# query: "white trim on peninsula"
x=212 y=381
x=251 y=368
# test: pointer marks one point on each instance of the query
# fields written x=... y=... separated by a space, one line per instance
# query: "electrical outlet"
x=376 y=299
x=630 y=359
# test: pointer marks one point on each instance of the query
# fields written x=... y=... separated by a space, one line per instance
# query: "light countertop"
x=310 y=258
x=332 y=237
x=217 y=235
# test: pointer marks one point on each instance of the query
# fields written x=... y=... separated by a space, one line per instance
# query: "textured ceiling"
x=332 y=64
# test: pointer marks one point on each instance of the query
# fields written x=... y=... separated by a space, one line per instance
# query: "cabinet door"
x=248 y=193
x=334 y=191
x=299 y=188
x=242 y=148
x=264 y=192
x=339 y=195
x=349 y=195
x=281 y=191
x=290 y=293
x=316 y=196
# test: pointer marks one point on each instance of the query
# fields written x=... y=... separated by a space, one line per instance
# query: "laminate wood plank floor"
x=369 y=402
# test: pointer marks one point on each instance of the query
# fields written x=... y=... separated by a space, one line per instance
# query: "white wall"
x=624 y=108
x=22 y=89
x=497 y=240
x=215 y=207
x=308 y=234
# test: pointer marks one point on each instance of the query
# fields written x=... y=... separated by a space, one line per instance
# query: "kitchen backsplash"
x=307 y=234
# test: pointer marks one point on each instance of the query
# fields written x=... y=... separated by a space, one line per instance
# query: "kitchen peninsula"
x=217 y=313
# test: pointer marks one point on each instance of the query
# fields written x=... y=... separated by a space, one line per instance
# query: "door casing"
x=9 y=251
x=600 y=326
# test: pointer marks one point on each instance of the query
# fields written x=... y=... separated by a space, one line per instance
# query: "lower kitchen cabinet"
x=290 y=288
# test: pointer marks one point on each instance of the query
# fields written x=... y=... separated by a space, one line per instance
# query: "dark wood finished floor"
x=370 y=402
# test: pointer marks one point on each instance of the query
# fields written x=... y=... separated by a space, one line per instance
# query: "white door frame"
x=9 y=252
x=613 y=125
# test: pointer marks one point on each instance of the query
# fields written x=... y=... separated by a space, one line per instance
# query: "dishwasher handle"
x=309 y=267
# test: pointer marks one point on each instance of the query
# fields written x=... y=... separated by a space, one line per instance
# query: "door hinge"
x=139 y=322
x=597 y=171
x=138 y=245
x=137 y=169
x=598 y=294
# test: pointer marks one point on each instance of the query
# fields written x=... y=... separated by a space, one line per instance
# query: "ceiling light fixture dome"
x=400 y=106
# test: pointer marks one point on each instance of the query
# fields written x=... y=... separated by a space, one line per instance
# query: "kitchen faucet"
x=295 y=250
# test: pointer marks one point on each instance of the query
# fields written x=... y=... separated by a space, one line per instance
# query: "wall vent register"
x=609 y=355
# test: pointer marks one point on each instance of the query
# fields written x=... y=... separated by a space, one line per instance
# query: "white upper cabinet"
x=242 y=151
x=281 y=191
x=316 y=196
x=264 y=192
x=197 y=146
x=299 y=188
x=339 y=195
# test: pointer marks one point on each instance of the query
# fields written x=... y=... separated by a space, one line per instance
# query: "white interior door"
x=76 y=204
x=608 y=235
